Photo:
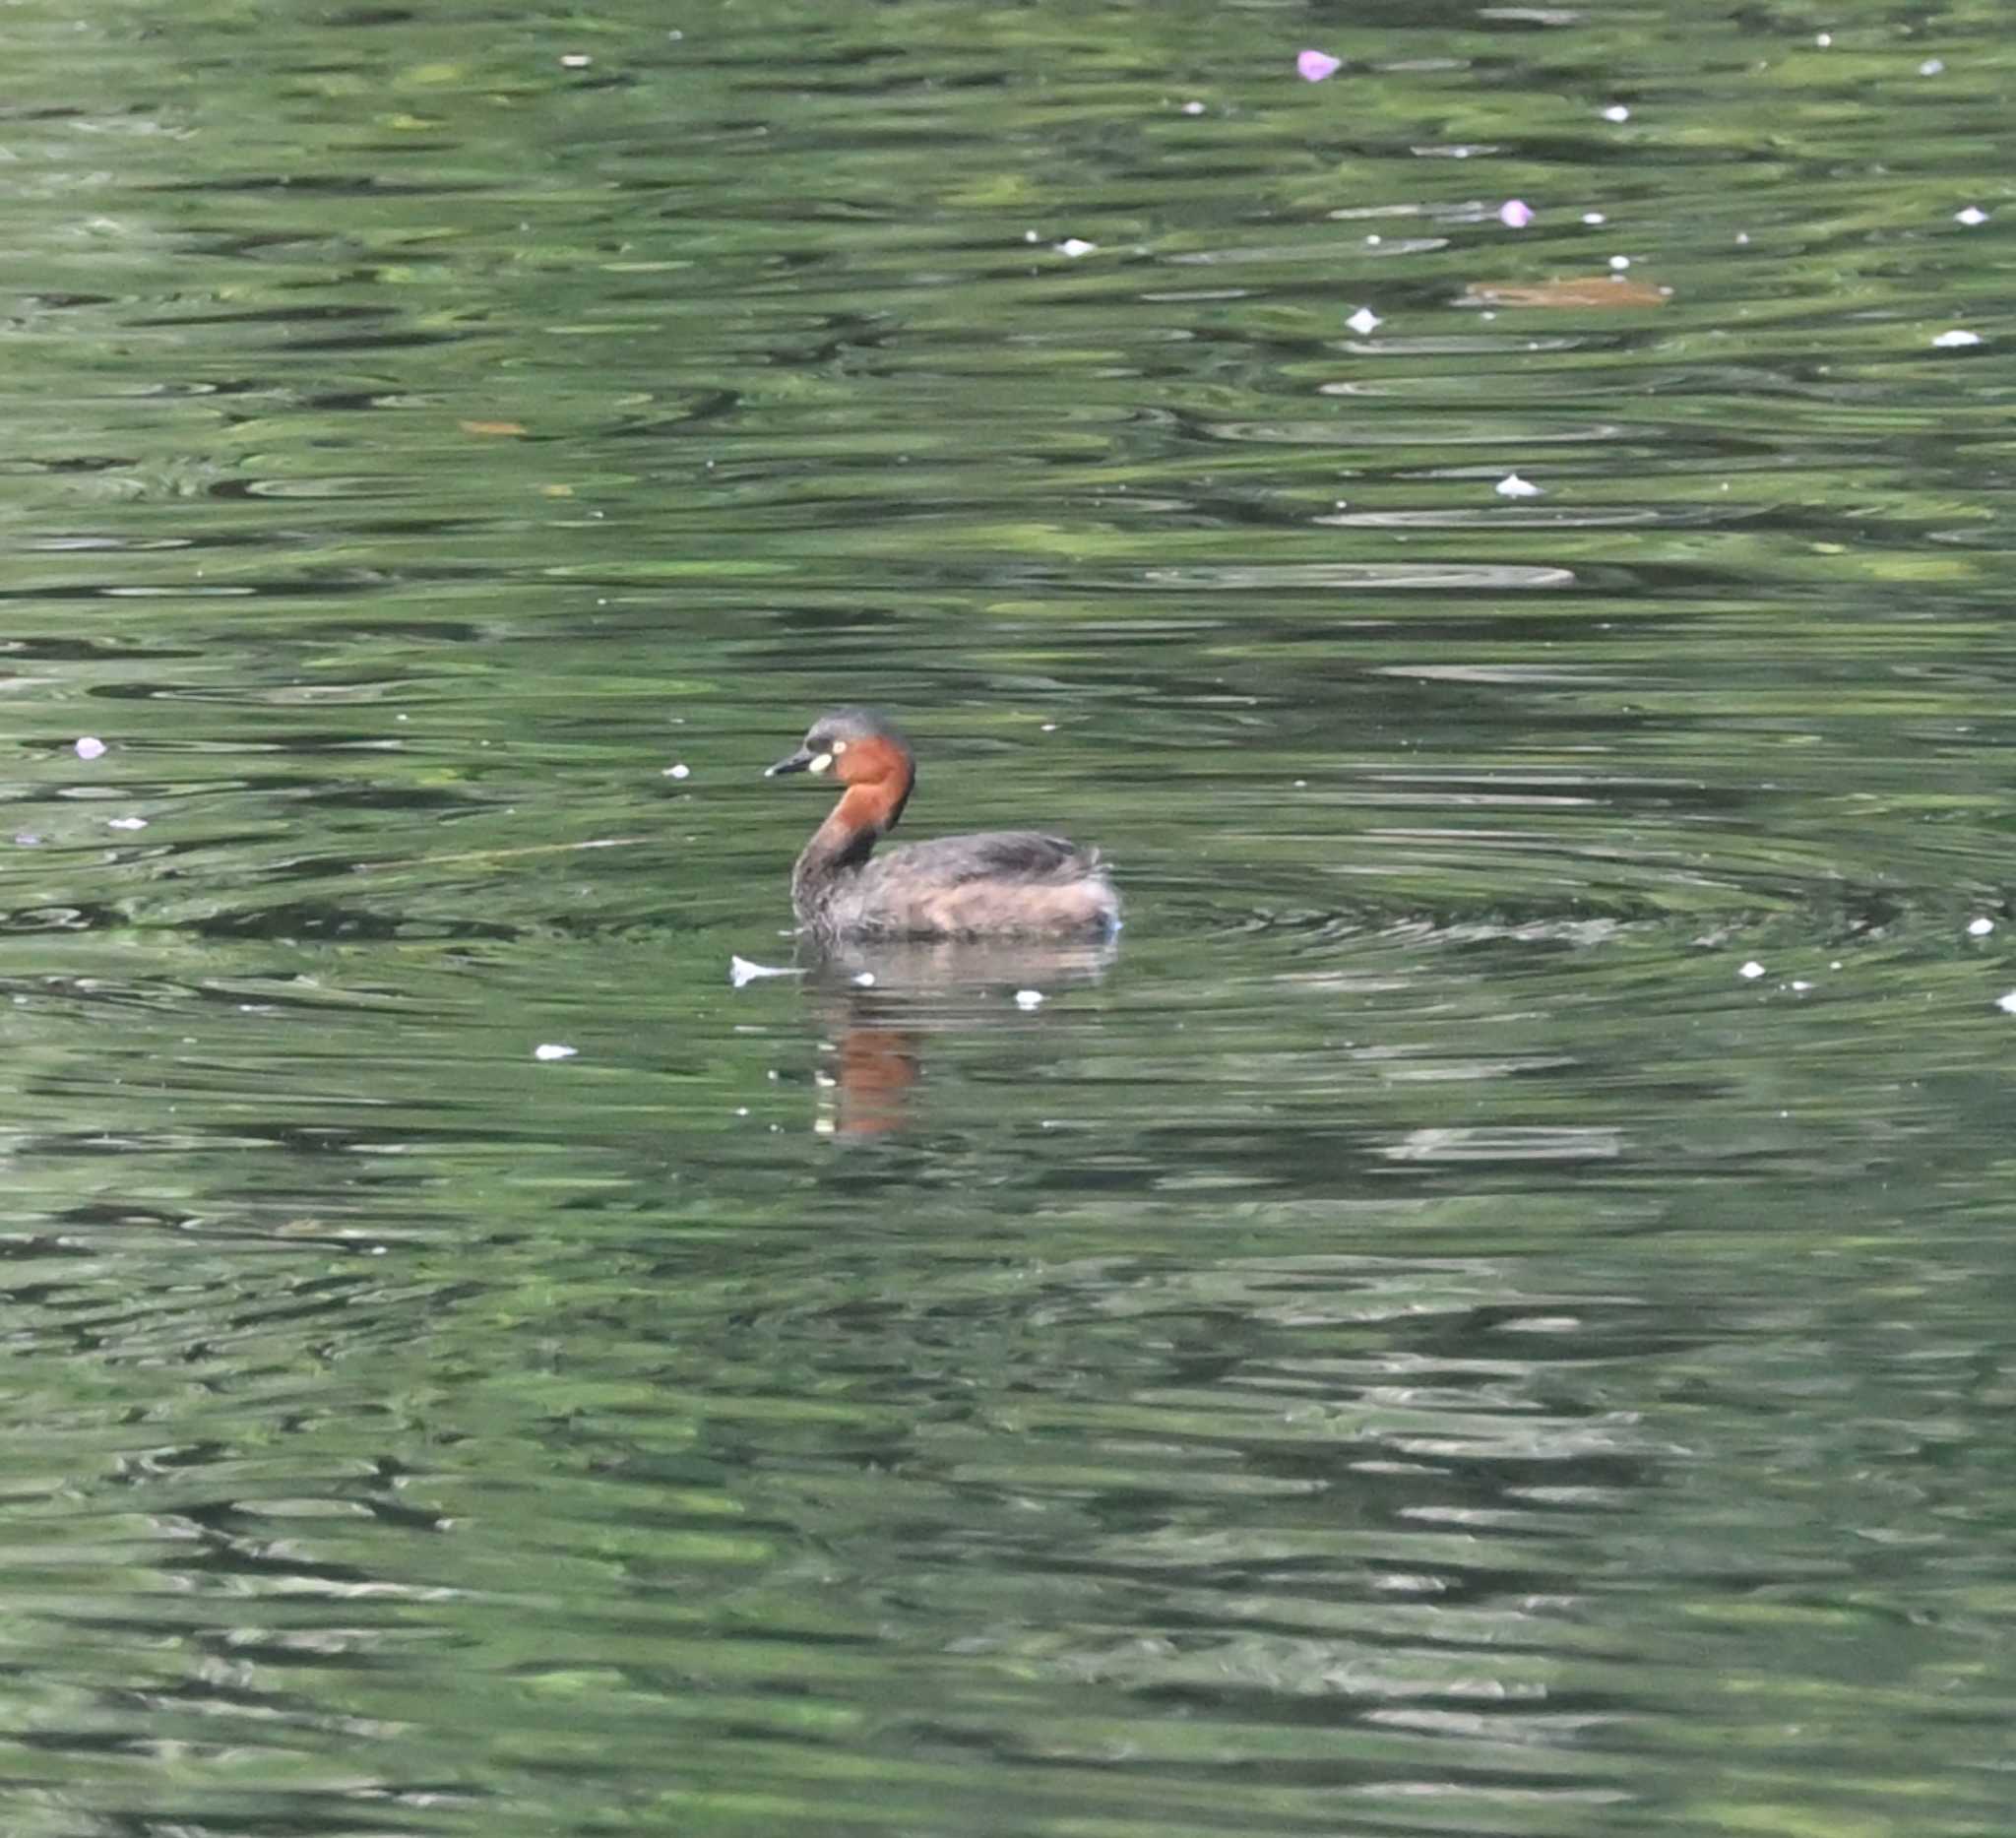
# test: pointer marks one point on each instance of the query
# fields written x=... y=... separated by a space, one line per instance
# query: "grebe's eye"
x=839 y=746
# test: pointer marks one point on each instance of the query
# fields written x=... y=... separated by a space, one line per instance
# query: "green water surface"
x=1487 y=1314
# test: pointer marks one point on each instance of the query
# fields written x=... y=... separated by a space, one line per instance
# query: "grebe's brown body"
x=996 y=884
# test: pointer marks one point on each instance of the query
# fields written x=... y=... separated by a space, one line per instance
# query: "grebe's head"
x=856 y=746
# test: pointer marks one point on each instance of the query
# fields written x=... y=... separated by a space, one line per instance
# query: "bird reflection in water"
x=882 y=1002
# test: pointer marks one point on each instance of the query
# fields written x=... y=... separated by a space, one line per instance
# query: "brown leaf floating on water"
x=1575 y=290
x=490 y=427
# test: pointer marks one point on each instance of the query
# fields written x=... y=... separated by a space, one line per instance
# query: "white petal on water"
x=91 y=747
x=1617 y=111
x=680 y=771
x=865 y=979
x=576 y=60
x=2008 y=1003
x=1593 y=217
x=553 y=1049
x=1029 y=999
x=126 y=823
x=741 y=969
x=1955 y=341
x=1513 y=486
x=1972 y=217
x=1075 y=246
x=1981 y=927
x=1751 y=970
x=1618 y=263
x=1362 y=321
x=1931 y=67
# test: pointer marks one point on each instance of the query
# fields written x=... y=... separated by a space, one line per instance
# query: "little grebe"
x=1000 y=883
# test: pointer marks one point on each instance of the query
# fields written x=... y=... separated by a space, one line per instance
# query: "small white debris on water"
x=1617 y=111
x=1972 y=217
x=1802 y=987
x=1931 y=67
x=1362 y=321
x=1302 y=785
x=1049 y=728
x=742 y=1109
x=865 y=979
x=1513 y=486
x=127 y=823
x=680 y=771
x=1029 y=999
x=1743 y=239
x=742 y=971
x=1618 y=263
x=2008 y=1003
x=1751 y=970
x=553 y=1049
x=1372 y=241
x=1594 y=218
x=1981 y=927
x=1075 y=246
x=1823 y=40
x=91 y=747
x=1955 y=341
x=1515 y=213
x=1835 y=965
x=1193 y=108
x=576 y=60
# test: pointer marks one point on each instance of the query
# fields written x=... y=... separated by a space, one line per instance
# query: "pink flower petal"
x=1316 y=65
x=91 y=747
x=1515 y=213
